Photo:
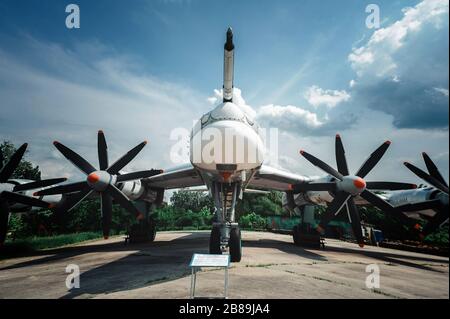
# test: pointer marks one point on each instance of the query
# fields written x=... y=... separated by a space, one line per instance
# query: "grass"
x=47 y=242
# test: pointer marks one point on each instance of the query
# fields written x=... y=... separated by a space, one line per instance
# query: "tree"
x=25 y=169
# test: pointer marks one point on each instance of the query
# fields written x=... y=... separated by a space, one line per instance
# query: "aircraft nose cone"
x=359 y=183
x=93 y=178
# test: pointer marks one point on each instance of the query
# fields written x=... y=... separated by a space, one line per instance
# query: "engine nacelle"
x=308 y=198
x=413 y=196
x=136 y=190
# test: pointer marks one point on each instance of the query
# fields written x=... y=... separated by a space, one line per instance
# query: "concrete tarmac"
x=271 y=267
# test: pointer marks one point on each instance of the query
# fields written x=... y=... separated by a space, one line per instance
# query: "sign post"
x=199 y=261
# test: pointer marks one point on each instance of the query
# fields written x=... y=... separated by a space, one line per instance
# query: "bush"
x=253 y=221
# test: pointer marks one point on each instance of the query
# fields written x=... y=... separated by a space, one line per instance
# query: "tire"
x=235 y=245
x=214 y=241
x=151 y=230
x=143 y=232
x=295 y=235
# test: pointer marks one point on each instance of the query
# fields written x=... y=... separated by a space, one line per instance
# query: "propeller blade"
x=373 y=160
x=437 y=221
x=325 y=167
x=76 y=159
x=433 y=170
x=138 y=175
x=106 y=203
x=38 y=184
x=428 y=178
x=355 y=222
x=4 y=218
x=62 y=189
x=380 y=203
x=102 y=151
x=124 y=160
x=74 y=200
x=307 y=187
x=341 y=161
x=333 y=209
x=434 y=204
x=11 y=165
x=25 y=200
x=392 y=186
x=123 y=201
x=1 y=159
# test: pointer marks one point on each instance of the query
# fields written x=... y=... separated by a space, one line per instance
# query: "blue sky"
x=140 y=68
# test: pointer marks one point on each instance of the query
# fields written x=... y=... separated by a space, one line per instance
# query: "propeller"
x=9 y=192
x=346 y=187
x=101 y=181
x=439 y=204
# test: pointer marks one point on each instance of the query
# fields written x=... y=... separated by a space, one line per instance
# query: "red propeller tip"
x=93 y=178
x=100 y=131
x=290 y=187
x=161 y=171
x=145 y=142
x=359 y=183
x=338 y=136
x=55 y=143
x=302 y=152
x=413 y=186
x=388 y=142
x=105 y=237
x=417 y=226
x=36 y=194
x=140 y=216
x=51 y=206
x=361 y=245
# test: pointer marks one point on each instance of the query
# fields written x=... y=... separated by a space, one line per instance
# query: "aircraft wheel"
x=214 y=241
x=235 y=244
x=151 y=229
x=295 y=235
x=4 y=217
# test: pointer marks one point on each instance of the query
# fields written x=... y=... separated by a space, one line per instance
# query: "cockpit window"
x=205 y=118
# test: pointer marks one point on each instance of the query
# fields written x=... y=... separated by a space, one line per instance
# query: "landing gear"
x=214 y=241
x=235 y=244
x=304 y=234
x=225 y=234
x=144 y=231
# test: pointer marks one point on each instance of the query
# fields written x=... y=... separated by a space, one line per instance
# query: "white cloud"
x=69 y=101
x=317 y=96
x=400 y=66
x=237 y=99
x=284 y=114
x=442 y=91
x=377 y=57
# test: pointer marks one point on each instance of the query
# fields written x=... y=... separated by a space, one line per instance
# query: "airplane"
x=430 y=203
x=16 y=194
x=228 y=168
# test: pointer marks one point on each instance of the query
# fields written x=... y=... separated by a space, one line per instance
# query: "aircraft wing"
x=178 y=177
x=272 y=178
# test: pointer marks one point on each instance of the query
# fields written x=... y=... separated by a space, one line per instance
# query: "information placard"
x=210 y=260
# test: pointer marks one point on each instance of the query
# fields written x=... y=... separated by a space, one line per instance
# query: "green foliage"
x=25 y=169
x=438 y=238
x=253 y=221
x=184 y=216
x=45 y=242
x=260 y=204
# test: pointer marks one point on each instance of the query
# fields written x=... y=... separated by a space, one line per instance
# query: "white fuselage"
x=226 y=142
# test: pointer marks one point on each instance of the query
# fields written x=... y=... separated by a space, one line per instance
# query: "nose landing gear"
x=225 y=234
